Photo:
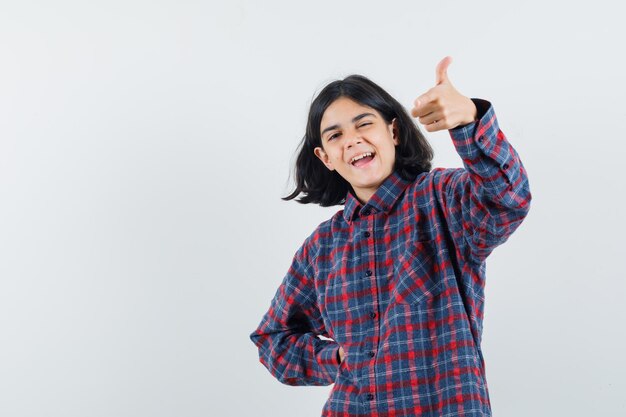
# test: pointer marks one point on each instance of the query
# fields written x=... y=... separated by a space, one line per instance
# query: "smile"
x=362 y=159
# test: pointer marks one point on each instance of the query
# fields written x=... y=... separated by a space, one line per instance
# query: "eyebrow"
x=354 y=120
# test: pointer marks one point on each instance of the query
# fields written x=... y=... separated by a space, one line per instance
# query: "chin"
x=372 y=177
x=370 y=182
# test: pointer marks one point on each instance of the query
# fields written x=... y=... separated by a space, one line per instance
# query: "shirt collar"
x=382 y=201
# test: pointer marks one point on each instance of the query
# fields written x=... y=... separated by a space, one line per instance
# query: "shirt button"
x=370 y=397
x=368 y=273
x=505 y=166
x=372 y=315
x=372 y=354
x=480 y=139
x=367 y=234
x=366 y=212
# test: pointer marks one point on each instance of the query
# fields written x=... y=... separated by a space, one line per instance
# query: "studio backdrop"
x=145 y=147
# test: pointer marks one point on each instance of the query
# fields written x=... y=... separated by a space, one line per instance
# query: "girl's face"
x=359 y=144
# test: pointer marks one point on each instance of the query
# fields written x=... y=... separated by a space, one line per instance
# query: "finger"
x=423 y=108
x=435 y=126
x=422 y=100
x=441 y=73
x=420 y=112
x=430 y=118
x=426 y=109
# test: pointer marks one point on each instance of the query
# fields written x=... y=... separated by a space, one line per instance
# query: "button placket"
x=368 y=348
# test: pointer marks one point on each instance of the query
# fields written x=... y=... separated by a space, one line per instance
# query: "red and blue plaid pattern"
x=399 y=284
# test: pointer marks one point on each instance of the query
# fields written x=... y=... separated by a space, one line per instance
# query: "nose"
x=352 y=140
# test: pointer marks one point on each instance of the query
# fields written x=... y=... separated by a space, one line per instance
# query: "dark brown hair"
x=321 y=186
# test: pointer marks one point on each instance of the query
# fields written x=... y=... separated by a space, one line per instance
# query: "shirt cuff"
x=328 y=358
x=485 y=150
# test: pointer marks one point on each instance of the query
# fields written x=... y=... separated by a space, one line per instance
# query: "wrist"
x=472 y=112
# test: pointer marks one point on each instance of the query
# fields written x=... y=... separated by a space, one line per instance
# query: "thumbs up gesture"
x=443 y=107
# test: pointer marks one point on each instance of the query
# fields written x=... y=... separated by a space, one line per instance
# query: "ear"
x=323 y=156
x=394 y=131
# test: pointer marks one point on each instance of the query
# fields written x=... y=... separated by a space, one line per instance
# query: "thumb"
x=441 y=72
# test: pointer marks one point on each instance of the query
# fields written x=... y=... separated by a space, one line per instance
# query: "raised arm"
x=485 y=201
x=287 y=337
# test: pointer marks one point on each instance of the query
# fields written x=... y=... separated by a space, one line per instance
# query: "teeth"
x=356 y=158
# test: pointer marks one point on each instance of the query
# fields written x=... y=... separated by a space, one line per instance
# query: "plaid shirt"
x=398 y=283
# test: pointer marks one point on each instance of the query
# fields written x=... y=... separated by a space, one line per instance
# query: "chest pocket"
x=416 y=274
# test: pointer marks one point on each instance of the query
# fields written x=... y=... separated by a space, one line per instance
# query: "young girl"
x=394 y=282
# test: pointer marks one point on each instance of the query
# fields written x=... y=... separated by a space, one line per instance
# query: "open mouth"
x=362 y=159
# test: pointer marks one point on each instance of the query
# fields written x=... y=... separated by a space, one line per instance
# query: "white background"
x=144 y=148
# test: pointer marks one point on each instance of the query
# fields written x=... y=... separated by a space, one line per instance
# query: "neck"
x=364 y=195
